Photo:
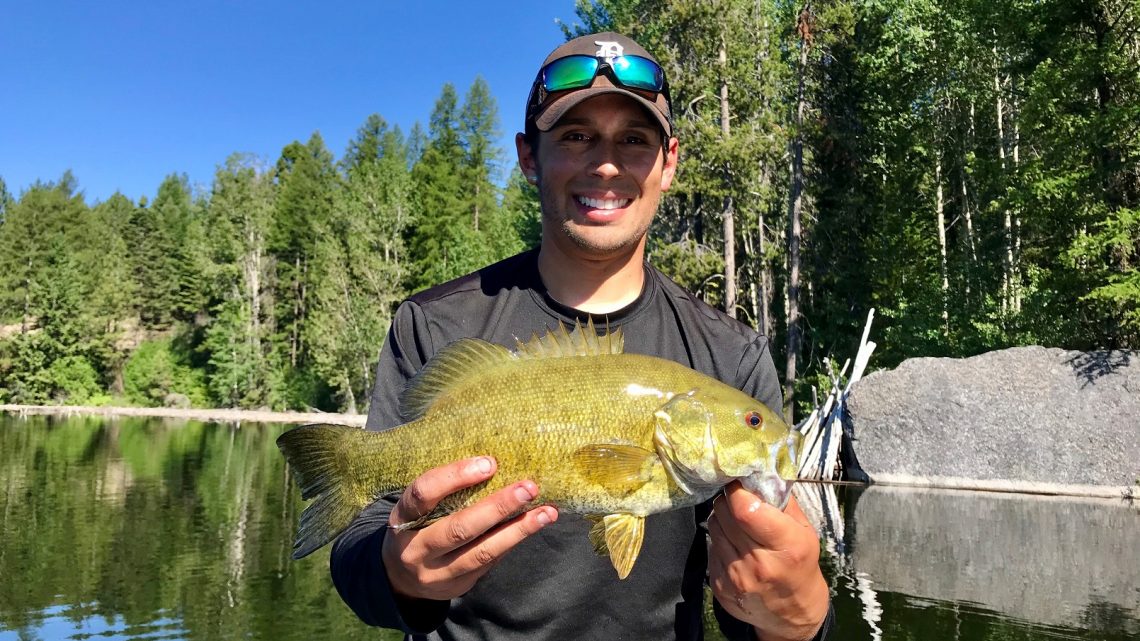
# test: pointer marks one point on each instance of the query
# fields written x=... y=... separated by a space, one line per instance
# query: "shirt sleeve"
x=355 y=565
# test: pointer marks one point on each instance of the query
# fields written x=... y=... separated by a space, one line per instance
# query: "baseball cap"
x=545 y=109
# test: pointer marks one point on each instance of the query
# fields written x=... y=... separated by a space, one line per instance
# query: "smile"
x=604 y=203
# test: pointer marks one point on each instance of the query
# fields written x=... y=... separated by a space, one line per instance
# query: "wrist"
x=819 y=632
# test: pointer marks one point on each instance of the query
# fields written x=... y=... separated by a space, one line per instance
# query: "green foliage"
x=157 y=370
x=1012 y=124
x=697 y=268
x=522 y=212
x=74 y=381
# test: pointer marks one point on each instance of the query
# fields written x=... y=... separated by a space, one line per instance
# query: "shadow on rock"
x=1093 y=365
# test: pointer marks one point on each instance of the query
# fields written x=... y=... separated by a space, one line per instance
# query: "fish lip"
x=775 y=491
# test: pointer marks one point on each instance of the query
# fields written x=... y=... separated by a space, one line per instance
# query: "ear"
x=527 y=162
x=669 y=169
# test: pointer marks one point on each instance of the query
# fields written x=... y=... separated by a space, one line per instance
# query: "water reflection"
x=151 y=529
x=1042 y=567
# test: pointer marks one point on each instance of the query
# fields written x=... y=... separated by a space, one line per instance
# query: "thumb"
x=764 y=523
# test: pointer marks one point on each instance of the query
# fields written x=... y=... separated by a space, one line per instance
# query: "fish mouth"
x=769 y=486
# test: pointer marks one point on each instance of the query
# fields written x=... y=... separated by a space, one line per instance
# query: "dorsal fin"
x=450 y=367
x=582 y=341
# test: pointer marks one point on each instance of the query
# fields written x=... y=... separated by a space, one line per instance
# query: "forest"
x=970 y=169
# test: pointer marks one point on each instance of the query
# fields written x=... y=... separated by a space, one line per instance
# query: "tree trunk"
x=941 y=216
x=1016 y=216
x=765 y=281
x=27 y=298
x=475 y=218
x=295 y=330
x=794 y=217
x=727 y=216
x=967 y=211
x=350 y=398
x=1007 y=220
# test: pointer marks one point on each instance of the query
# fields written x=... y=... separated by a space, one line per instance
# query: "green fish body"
x=608 y=435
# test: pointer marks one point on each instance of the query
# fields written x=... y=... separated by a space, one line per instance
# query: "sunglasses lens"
x=639 y=73
x=571 y=72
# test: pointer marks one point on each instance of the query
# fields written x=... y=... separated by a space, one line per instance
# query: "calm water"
x=143 y=529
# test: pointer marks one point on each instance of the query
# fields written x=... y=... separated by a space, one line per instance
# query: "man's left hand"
x=764 y=566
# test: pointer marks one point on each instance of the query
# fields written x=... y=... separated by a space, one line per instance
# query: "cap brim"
x=554 y=112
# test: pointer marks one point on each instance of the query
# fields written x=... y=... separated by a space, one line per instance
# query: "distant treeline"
x=969 y=168
x=273 y=289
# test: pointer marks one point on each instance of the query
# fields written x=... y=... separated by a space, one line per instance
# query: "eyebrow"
x=636 y=123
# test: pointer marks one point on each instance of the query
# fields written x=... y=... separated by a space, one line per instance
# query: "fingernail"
x=482 y=465
x=543 y=518
x=523 y=494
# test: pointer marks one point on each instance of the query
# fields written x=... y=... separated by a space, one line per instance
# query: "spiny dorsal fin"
x=452 y=366
x=582 y=341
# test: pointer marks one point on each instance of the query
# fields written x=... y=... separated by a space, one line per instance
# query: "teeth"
x=599 y=203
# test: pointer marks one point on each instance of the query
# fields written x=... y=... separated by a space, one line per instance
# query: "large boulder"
x=1023 y=415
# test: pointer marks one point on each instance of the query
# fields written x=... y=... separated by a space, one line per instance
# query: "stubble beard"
x=600 y=241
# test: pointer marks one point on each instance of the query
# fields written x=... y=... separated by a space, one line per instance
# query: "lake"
x=158 y=529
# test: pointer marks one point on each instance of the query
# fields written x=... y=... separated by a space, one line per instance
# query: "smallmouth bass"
x=614 y=437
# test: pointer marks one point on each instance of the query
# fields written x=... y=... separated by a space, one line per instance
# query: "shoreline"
x=216 y=415
x=898 y=481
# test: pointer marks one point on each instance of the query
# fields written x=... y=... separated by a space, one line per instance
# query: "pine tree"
x=360 y=261
x=442 y=241
x=307 y=183
x=242 y=367
x=155 y=239
x=113 y=292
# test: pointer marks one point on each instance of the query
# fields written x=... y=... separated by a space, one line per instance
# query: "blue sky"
x=125 y=93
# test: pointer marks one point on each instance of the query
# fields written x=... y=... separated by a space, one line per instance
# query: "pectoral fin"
x=621 y=469
x=620 y=536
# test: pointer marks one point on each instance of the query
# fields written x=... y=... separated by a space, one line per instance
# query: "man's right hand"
x=444 y=560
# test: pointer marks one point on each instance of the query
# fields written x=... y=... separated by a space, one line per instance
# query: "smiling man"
x=599 y=144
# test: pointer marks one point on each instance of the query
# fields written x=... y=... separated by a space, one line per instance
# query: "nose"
x=605 y=162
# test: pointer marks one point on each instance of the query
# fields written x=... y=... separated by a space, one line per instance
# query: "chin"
x=596 y=242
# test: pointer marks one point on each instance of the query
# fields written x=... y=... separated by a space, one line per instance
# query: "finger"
x=484 y=552
x=461 y=528
x=727 y=542
x=721 y=579
x=763 y=524
x=429 y=488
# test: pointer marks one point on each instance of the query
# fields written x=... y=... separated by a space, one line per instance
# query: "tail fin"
x=316 y=454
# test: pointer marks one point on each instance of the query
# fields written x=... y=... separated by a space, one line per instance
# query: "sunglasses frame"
x=539 y=93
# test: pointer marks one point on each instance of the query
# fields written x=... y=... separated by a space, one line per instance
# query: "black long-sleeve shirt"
x=553 y=586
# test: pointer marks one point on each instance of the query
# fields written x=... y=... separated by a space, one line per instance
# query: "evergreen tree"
x=113 y=290
x=440 y=204
x=306 y=186
x=5 y=199
x=155 y=236
x=478 y=131
x=360 y=262
x=44 y=220
x=243 y=371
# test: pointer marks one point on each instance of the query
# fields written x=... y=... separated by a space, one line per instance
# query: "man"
x=599 y=146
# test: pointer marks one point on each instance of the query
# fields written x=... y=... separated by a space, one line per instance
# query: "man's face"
x=601 y=171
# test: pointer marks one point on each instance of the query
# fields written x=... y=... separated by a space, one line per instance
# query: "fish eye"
x=753 y=419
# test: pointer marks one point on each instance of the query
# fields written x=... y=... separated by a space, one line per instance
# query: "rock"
x=1026 y=414
x=1052 y=561
x=176 y=400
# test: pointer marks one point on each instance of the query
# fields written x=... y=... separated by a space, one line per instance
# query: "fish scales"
x=532 y=415
x=608 y=435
